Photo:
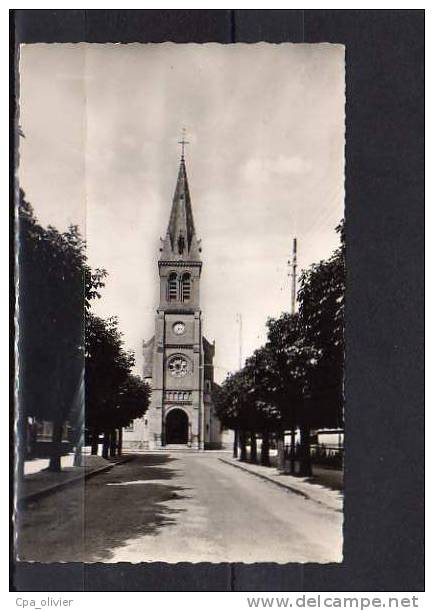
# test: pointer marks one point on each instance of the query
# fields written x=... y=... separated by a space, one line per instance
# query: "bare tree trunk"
x=56 y=438
x=281 y=450
x=78 y=451
x=78 y=454
x=292 y=451
x=235 y=448
x=56 y=447
x=243 y=449
x=113 y=443
x=305 y=458
x=265 y=449
x=106 y=444
x=120 y=438
x=94 y=443
x=253 y=448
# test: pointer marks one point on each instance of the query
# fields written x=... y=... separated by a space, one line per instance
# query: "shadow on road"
x=152 y=460
x=103 y=517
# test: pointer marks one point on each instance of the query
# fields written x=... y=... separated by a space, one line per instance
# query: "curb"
x=280 y=484
x=34 y=496
x=266 y=478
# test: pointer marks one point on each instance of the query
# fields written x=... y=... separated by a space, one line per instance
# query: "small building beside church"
x=178 y=359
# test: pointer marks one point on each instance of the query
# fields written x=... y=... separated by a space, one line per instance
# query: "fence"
x=325 y=455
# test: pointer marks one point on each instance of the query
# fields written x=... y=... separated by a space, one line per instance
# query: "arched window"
x=171 y=287
x=185 y=287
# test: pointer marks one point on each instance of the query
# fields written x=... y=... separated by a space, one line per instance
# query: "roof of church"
x=209 y=349
x=180 y=243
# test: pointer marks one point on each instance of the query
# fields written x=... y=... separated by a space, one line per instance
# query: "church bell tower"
x=178 y=360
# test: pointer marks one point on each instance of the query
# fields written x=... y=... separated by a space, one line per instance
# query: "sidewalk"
x=39 y=464
x=42 y=482
x=306 y=487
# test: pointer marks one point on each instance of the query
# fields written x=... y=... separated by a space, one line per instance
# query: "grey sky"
x=265 y=163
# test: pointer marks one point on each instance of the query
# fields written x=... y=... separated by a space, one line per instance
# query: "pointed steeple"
x=180 y=243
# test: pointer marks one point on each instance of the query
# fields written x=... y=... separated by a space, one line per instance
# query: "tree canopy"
x=60 y=339
x=114 y=396
x=55 y=286
x=296 y=378
x=321 y=312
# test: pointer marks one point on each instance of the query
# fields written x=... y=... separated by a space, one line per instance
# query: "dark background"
x=384 y=385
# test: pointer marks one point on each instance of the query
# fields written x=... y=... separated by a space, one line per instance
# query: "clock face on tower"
x=179 y=328
x=178 y=366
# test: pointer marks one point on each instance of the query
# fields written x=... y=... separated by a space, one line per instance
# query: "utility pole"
x=293 y=275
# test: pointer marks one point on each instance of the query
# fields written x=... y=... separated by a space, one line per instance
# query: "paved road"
x=179 y=507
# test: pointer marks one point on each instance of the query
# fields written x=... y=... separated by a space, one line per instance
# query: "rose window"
x=178 y=366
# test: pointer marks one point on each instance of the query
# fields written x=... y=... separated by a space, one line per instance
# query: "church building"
x=178 y=360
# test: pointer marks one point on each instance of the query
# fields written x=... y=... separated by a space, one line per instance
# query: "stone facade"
x=178 y=360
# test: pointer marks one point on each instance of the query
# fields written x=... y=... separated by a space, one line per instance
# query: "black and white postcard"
x=181 y=303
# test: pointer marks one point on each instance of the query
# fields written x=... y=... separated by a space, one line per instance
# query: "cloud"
x=264 y=169
x=266 y=127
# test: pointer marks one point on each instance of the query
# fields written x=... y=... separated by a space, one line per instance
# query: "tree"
x=294 y=361
x=321 y=316
x=133 y=401
x=55 y=286
x=246 y=402
x=283 y=335
x=114 y=396
x=231 y=400
x=264 y=397
x=295 y=380
x=308 y=351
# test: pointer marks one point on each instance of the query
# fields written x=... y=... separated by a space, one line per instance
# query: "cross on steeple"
x=183 y=142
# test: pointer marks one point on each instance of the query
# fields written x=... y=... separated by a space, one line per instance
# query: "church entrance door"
x=176 y=427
